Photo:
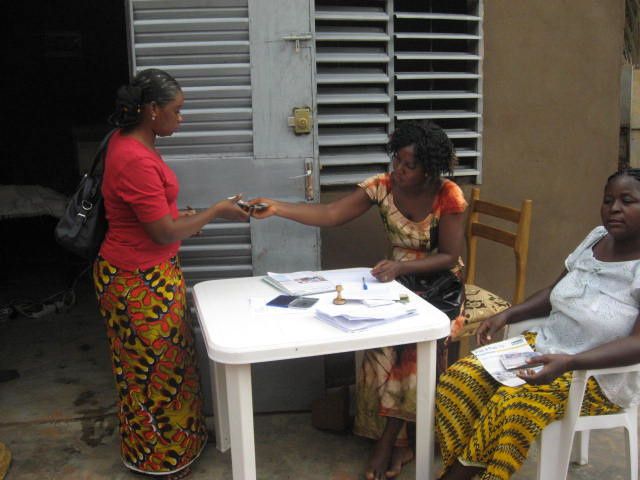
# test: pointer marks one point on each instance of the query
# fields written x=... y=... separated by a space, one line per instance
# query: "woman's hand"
x=489 y=327
x=268 y=211
x=230 y=210
x=386 y=270
x=554 y=366
x=187 y=212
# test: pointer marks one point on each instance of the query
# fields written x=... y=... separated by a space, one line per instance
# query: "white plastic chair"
x=556 y=441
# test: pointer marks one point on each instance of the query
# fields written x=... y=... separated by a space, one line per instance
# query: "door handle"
x=297 y=38
x=308 y=179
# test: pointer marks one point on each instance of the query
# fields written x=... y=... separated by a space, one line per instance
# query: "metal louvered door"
x=383 y=61
x=243 y=66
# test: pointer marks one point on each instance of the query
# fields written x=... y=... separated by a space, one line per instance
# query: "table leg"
x=240 y=404
x=425 y=409
x=220 y=409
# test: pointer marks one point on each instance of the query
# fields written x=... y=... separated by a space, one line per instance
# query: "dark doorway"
x=64 y=61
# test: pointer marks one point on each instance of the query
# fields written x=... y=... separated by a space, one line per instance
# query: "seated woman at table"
x=486 y=428
x=423 y=215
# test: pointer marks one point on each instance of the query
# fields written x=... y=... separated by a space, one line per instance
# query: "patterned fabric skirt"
x=153 y=356
x=387 y=386
x=480 y=422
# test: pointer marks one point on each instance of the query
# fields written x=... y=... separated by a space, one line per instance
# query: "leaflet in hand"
x=515 y=360
x=299 y=283
x=512 y=351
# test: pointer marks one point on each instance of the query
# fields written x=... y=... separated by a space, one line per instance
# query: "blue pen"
x=364 y=284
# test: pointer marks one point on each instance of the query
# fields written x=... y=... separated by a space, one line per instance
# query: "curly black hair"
x=150 y=85
x=433 y=149
x=629 y=172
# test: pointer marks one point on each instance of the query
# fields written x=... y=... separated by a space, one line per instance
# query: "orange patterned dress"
x=162 y=428
x=387 y=384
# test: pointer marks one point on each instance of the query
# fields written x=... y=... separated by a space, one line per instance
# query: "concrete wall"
x=551 y=121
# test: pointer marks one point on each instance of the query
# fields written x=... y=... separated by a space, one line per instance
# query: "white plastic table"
x=237 y=335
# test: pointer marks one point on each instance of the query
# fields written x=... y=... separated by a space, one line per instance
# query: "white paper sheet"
x=489 y=357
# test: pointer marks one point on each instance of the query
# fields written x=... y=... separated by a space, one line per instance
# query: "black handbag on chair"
x=84 y=225
x=445 y=291
x=442 y=289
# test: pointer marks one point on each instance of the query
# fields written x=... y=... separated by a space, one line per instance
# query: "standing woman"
x=140 y=287
x=423 y=215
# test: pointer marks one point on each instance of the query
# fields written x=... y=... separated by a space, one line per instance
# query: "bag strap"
x=101 y=152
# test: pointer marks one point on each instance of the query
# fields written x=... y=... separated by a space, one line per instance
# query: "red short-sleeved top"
x=138 y=187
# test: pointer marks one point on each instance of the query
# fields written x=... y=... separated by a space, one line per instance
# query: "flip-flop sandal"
x=179 y=475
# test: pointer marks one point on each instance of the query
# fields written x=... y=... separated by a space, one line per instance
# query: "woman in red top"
x=139 y=284
x=423 y=215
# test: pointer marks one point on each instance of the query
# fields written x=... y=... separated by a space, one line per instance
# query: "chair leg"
x=550 y=453
x=582 y=458
x=465 y=346
x=631 y=441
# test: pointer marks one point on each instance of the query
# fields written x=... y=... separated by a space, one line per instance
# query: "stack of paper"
x=352 y=318
x=299 y=283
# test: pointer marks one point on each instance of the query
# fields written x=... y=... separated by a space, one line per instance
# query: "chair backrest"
x=518 y=240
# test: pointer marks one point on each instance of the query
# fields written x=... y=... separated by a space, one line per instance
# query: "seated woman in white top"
x=485 y=428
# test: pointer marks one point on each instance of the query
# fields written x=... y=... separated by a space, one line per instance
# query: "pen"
x=364 y=284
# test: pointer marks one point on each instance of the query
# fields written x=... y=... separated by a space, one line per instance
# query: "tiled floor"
x=58 y=416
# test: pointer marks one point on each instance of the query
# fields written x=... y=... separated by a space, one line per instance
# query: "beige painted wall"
x=551 y=121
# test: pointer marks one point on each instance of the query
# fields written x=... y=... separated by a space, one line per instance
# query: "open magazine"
x=299 y=283
x=504 y=359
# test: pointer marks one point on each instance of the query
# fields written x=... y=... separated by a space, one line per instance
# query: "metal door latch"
x=297 y=37
x=301 y=121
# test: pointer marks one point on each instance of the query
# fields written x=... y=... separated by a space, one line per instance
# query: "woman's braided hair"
x=433 y=148
x=151 y=85
x=629 y=172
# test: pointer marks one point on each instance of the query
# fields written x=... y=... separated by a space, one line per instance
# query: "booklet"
x=299 y=283
x=512 y=351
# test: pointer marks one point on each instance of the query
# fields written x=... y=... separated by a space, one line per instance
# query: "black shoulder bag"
x=84 y=225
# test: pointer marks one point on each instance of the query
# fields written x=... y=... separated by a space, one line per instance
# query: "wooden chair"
x=481 y=303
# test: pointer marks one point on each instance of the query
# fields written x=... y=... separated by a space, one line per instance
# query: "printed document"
x=491 y=355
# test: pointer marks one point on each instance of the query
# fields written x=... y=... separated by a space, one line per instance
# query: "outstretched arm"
x=537 y=305
x=617 y=353
x=168 y=229
x=317 y=214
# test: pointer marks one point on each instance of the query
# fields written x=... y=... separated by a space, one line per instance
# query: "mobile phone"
x=303 y=302
x=250 y=208
x=282 y=301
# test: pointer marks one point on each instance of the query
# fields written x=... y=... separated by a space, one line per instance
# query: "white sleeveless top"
x=596 y=302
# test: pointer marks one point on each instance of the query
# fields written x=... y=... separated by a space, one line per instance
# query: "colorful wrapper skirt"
x=482 y=423
x=387 y=387
x=162 y=428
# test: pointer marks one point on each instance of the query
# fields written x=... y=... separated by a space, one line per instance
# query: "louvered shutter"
x=204 y=44
x=426 y=56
